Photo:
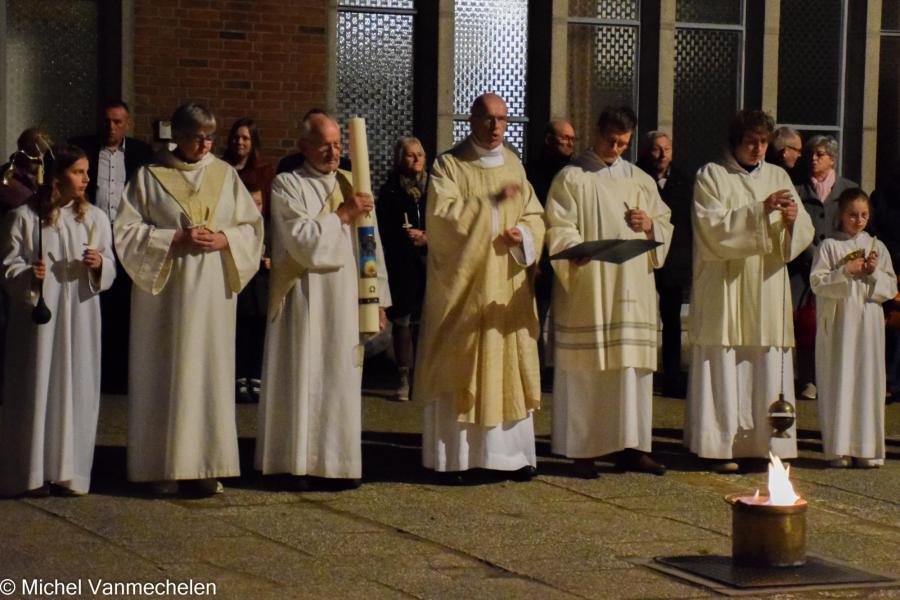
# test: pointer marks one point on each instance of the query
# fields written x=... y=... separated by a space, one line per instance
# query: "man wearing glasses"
x=478 y=368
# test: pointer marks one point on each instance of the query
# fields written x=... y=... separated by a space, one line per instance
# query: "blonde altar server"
x=851 y=276
x=605 y=315
x=478 y=370
x=310 y=412
x=190 y=237
x=748 y=224
x=51 y=393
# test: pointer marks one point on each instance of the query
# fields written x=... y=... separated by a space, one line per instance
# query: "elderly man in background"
x=114 y=158
x=818 y=193
x=673 y=279
x=748 y=224
x=559 y=144
x=478 y=367
x=310 y=412
x=785 y=151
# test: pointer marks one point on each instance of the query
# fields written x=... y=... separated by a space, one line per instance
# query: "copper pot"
x=763 y=535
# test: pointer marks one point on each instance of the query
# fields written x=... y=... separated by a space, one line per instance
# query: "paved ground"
x=402 y=536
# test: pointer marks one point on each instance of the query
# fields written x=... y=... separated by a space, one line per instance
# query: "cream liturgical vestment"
x=310 y=413
x=51 y=391
x=604 y=315
x=181 y=421
x=741 y=325
x=850 y=372
x=477 y=368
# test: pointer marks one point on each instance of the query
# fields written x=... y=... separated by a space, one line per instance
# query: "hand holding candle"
x=365 y=231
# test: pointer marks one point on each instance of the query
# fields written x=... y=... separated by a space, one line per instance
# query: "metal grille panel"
x=809 y=62
x=890 y=15
x=888 y=108
x=51 y=66
x=491 y=47
x=722 y=12
x=515 y=134
x=375 y=75
x=604 y=9
x=603 y=71
x=707 y=68
x=377 y=3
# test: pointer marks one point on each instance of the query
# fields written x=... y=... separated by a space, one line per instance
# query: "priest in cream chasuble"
x=478 y=367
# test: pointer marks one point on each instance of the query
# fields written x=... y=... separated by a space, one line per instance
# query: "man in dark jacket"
x=113 y=160
x=673 y=280
x=559 y=145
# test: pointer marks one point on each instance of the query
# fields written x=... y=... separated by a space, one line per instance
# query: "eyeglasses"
x=566 y=138
x=491 y=120
x=204 y=139
x=796 y=149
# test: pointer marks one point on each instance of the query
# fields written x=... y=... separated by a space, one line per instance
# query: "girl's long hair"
x=48 y=200
x=230 y=156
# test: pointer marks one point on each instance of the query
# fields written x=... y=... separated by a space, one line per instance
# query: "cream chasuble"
x=739 y=300
x=850 y=370
x=605 y=316
x=310 y=412
x=477 y=367
x=51 y=388
x=181 y=378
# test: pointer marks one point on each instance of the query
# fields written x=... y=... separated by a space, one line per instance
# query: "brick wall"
x=265 y=59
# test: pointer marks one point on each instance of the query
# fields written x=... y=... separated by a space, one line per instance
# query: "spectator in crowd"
x=401 y=222
x=19 y=181
x=191 y=238
x=252 y=305
x=819 y=194
x=478 y=370
x=851 y=276
x=559 y=144
x=785 y=151
x=673 y=279
x=748 y=224
x=114 y=158
x=51 y=395
x=605 y=314
x=242 y=153
x=886 y=208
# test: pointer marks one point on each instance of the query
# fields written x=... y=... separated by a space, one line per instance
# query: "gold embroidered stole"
x=198 y=205
x=286 y=274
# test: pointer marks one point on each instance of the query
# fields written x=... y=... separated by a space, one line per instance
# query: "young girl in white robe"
x=51 y=392
x=851 y=276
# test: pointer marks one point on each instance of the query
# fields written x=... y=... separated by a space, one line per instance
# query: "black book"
x=612 y=251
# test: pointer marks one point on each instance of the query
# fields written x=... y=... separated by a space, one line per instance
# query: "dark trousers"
x=250 y=337
x=892 y=360
x=543 y=292
x=115 y=311
x=670 y=300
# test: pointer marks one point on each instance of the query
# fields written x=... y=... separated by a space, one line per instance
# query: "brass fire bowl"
x=767 y=536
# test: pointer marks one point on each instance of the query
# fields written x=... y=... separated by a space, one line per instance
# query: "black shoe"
x=585 y=468
x=294 y=483
x=524 y=474
x=451 y=478
x=640 y=462
x=334 y=484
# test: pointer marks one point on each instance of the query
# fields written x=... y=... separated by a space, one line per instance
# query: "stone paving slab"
x=402 y=536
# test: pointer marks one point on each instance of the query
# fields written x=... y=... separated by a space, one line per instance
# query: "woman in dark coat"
x=401 y=222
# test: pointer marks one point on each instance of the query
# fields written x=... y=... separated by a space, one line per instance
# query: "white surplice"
x=741 y=325
x=310 y=413
x=181 y=418
x=51 y=393
x=464 y=221
x=850 y=370
x=605 y=315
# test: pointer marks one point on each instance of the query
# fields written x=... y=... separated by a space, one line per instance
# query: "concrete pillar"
x=445 y=75
x=331 y=41
x=666 y=94
x=559 y=63
x=870 y=98
x=770 y=58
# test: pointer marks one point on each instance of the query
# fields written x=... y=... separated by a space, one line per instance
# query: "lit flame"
x=781 y=492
